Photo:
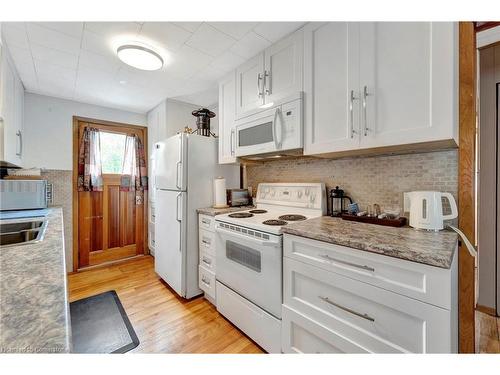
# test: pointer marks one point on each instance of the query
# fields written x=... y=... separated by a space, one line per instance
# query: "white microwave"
x=273 y=130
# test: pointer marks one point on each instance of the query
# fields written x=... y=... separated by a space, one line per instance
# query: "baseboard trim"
x=487 y=310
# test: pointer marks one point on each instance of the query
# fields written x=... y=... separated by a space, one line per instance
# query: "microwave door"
x=256 y=137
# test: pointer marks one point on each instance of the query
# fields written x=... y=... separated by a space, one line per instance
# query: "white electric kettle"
x=426 y=209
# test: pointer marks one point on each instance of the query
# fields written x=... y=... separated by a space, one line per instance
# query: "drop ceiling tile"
x=274 y=31
x=227 y=61
x=237 y=30
x=15 y=34
x=56 y=89
x=73 y=29
x=49 y=72
x=53 y=39
x=210 y=40
x=96 y=43
x=52 y=56
x=23 y=62
x=186 y=61
x=189 y=26
x=166 y=34
x=96 y=61
x=113 y=29
x=250 y=45
x=209 y=75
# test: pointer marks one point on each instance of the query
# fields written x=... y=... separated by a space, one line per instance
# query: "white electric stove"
x=249 y=256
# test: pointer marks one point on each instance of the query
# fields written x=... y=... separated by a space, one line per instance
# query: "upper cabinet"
x=270 y=76
x=379 y=84
x=11 y=112
x=227 y=107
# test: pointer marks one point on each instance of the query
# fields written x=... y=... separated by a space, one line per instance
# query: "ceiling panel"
x=250 y=45
x=77 y=60
x=210 y=40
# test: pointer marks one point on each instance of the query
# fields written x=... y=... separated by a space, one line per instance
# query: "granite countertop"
x=431 y=248
x=210 y=211
x=34 y=309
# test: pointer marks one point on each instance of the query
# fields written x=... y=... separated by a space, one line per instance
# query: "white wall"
x=48 y=128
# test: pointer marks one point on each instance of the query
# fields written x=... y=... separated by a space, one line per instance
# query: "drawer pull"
x=206 y=242
x=347 y=263
x=205 y=221
x=364 y=316
x=207 y=261
x=205 y=281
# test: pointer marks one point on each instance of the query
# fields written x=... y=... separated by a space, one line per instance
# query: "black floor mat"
x=99 y=324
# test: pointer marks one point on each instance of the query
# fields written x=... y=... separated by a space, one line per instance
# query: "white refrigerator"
x=185 y=166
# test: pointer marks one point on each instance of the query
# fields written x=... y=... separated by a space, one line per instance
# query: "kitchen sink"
x=22 y=232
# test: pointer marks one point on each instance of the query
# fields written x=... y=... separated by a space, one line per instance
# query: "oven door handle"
x=247 y=238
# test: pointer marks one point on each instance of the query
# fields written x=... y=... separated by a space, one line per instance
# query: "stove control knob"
x=299 y=194
x=312 y=197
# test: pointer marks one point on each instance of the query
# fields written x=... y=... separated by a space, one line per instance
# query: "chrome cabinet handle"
x=259 y=91
x=363 y=267
x=266 y=80
x=232 y=141
x=365 y=119
x=364 y=316
x=20 y=136
x=207 y=261
x=352 y=98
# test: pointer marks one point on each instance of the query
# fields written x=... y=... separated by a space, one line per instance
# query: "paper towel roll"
x=220 y=199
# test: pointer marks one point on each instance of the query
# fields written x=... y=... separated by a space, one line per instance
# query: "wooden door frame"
x=76 y=121
x=466 y=184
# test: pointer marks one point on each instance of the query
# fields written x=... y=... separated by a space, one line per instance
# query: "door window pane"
x=112 y=152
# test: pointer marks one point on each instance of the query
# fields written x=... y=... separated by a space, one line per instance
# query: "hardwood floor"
x=487 y=333
x=163 y=321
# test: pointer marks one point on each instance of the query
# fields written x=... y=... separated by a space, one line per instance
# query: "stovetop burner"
x=257 y=211
x=292 y=217
x=240 y=215
x=274 y=222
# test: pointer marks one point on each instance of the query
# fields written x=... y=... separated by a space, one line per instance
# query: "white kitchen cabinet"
x=227 y=109
x=11 y=112
x=408 y=84
x=379 y=84
x=331 y=77
x=337 y=299
x=283 y=65
x=207 y=265
x=249 y=86
x=271 y=76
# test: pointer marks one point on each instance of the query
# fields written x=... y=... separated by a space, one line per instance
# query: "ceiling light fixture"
x=139 y=57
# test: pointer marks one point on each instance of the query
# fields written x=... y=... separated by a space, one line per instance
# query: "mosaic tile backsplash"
x=62 y=196
x=367 y=180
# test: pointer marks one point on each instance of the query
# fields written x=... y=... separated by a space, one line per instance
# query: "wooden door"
x=227 y=107
x=331 y=77
x=109 y=224
x=249 y=86
x=283 y=68
x=407 y=82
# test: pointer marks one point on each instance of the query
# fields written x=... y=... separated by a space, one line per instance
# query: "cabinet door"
x=283 y=68
x=331 y=87
x=227 y=107
x=407 y=82
x=249 y=86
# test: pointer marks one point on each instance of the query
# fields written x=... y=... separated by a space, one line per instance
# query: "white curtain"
x=129 y=163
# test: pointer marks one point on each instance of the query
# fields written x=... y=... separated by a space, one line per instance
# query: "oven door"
x=250 y=266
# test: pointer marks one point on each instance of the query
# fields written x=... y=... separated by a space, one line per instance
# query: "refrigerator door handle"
x=178 y=181
x=179 y=211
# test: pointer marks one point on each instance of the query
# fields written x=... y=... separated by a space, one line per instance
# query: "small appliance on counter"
x=337 y=199
x=238 y=197
x=426 y=209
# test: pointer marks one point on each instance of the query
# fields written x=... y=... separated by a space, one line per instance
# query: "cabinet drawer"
x=302 y=335
x=207 y=260
x=378 y=320
x=206 y=222
x=207 y=241
x=424 y=283
x=206 y=281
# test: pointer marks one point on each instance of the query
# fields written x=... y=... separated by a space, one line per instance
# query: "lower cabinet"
x=206 y=268
x=325 y=311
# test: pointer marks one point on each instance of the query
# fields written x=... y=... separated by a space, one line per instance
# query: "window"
x=112 y=152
